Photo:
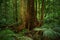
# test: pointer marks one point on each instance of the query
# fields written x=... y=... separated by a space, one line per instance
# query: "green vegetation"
x=29 y=19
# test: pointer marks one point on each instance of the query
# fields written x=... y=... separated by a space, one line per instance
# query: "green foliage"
x=57 y=29
x=50 y=27
x=6 y=35
x=7 y=12
x=48 y=32
x=22 y=33
x=25 y=38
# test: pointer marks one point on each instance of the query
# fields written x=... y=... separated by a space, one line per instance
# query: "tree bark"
x=42 y=14
x=29 y=18
x=31 y=13
x=23 y=14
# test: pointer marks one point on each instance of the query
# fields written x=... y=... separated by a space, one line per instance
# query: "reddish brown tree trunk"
x=32 y=15
x=30 y=18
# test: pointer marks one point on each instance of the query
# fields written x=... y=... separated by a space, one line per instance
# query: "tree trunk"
x=31 y=13
x=23 y=14
x=15 y=14
x=28 y=17
x=42 y=14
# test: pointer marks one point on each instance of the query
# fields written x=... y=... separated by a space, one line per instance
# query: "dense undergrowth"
x=10 y=11
x=50 y=30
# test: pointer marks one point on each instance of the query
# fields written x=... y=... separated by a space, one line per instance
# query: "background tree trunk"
x=42 y=14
